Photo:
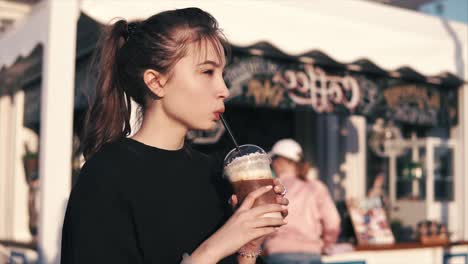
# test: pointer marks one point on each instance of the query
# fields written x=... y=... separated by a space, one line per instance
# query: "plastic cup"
x=247 y=169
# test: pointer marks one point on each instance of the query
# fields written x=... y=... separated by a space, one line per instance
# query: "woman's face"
x=283 y=166
x=195 y=93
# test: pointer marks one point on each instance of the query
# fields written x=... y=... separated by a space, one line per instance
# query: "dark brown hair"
x=126 y=51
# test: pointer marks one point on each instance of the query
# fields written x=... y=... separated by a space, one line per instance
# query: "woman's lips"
x=218 y=113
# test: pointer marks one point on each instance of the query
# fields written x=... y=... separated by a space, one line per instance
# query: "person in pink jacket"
x=313 y=220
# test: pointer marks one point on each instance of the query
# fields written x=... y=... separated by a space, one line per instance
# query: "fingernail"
x=276 y=228
x=285 y=221
x=268 y=187
x=284 y=207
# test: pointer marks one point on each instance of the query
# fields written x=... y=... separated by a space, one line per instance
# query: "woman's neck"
x=158 y=130
x=287 y=173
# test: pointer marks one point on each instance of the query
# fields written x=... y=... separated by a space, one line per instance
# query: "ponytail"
x=108 y=117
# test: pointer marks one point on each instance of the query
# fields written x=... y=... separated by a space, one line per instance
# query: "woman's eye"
x=209 y=72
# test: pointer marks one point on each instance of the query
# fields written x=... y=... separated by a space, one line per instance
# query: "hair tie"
x=131 y=28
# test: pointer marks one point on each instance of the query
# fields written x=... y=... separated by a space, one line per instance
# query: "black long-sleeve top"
x=134 y=203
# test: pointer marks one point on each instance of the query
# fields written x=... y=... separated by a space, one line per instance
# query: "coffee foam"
x=249 y=167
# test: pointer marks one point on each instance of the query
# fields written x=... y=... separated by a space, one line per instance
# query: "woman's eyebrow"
x=210 y=62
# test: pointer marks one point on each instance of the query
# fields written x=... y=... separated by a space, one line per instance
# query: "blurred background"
x=374 y=91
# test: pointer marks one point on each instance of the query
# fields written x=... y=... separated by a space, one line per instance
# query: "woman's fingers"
x=282 y=200
x=284 y=213
x=277 y=181
x=279 y=199
x=233 y=201
x=279 y=188
x=250 y=199
x=266 y=208
x=259 y=232
x=268 y=222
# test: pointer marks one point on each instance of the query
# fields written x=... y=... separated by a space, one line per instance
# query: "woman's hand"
x=245 y=225
x=280 y=190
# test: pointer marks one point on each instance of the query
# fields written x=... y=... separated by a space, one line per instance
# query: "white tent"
x=346 y=30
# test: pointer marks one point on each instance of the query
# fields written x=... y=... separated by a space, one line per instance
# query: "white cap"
x=287 y=148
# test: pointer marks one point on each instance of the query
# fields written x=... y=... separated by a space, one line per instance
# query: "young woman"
x=313 y=220
x=151 y=198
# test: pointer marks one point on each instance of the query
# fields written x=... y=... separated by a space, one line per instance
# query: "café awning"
x=346 y=30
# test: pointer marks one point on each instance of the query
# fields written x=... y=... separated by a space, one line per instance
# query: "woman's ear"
x=155 y=81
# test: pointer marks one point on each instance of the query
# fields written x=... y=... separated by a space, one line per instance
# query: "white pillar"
x=135 y=121
x=463 y=152
x=355 y=157
x=431 y=213
x=19 y=184
x=56 y=123
x=5 y=165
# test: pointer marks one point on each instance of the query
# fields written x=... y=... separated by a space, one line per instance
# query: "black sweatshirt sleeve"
x=98 y=225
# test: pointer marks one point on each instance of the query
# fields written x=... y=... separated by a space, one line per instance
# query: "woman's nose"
x=224 y=92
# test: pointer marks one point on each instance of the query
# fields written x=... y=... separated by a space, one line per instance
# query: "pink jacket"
x=313 y=220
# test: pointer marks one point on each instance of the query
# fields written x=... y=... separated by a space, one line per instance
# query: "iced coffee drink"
x=249 y=169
